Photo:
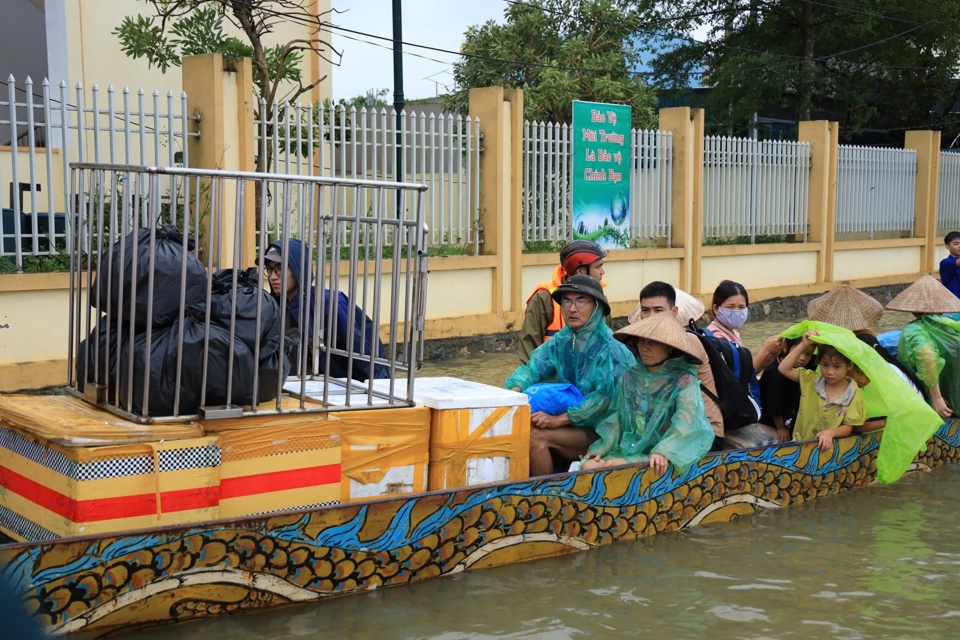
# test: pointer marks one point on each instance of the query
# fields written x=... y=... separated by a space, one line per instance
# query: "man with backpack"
x=660 y=297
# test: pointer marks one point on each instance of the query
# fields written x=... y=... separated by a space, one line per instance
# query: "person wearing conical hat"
x=661 y=297
x=846 y=307
x=657 y=414
x=584 y=353
x=930 y=345
x=543 y=318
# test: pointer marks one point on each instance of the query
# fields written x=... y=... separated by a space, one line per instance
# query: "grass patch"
x=762 y=239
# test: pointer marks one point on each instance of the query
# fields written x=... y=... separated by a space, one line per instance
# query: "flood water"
x=883 y=561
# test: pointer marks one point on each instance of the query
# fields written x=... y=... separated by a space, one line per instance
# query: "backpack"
x=732 y=368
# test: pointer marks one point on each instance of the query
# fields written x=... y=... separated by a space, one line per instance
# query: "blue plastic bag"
x=553 y=398
x=890 y=341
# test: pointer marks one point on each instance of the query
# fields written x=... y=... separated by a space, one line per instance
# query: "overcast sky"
x=437 y=23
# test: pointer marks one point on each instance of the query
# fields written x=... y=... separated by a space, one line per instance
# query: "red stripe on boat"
x=279 y=481
x=107 y=508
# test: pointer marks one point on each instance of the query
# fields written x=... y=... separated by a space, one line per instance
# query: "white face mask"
x=732 y=318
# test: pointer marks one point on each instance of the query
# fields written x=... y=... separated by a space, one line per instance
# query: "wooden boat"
x=91 y=586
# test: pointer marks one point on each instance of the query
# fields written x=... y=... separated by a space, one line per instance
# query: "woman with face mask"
x=731 y=306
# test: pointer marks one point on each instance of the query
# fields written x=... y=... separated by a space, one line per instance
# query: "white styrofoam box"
x=397 y=480
x=454 y=393
x=337 y=392
x=495 y=469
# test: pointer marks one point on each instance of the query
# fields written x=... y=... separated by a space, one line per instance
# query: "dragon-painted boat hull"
x=96 y=585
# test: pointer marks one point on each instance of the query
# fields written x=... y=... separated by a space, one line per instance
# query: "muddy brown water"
x=880 y=562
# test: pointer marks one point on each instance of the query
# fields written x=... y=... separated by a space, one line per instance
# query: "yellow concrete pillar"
x=501 y=163
x=822 y=136
x=221 y=93
x=927 y=146
x=687 y=127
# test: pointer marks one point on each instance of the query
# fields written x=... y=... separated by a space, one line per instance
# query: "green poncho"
x=660 y=412
x=590 y=359
x=930 y=347
x=910 y=420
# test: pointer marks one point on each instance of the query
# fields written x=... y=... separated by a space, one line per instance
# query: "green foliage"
x=59 y=261
x=198 y=32
x=872 y=65
x=571 y=34
x=762 y=239
x=543 y=246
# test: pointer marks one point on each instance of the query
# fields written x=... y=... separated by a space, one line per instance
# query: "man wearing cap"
x=365 y=332
x=583 y=353
x=543 y=317
x=660 y=297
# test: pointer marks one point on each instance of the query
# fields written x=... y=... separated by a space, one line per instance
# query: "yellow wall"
x=872 y=263
x=95 y=54
x=759 y=271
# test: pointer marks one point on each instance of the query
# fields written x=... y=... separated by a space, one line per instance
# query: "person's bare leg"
x=568 y=443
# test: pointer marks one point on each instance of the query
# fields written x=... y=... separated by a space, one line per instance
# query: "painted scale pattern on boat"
x=92 y=587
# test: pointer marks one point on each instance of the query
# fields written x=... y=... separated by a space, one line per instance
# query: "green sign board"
x=601 y=173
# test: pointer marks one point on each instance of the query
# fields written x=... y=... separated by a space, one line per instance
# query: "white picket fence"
x=948 y=196
x=547 y=163
x=441 y=151
x=875 y=189
x=754 y=187
x=46 y=132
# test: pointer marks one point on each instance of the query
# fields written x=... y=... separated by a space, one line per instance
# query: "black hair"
x=658 y=289
x=728 y=289
x=788 y=344
x=828 y=350
x=950 y=237
x=874 y=344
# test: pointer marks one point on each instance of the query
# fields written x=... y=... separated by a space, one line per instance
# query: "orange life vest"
x=557 y=323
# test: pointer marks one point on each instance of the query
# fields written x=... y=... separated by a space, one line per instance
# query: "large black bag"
x=167 y=269
x=249 y=289
x=732 y=368
x=104 y=355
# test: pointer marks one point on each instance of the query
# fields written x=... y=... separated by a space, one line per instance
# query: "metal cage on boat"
x=169 y=317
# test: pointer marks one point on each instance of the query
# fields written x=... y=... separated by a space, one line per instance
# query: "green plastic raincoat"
x=590 y=359
x=910 y=420
x=660 y=412
x=930 y=347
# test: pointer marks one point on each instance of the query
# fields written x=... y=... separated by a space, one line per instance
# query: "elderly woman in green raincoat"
x=583 y=353
x=657 y=415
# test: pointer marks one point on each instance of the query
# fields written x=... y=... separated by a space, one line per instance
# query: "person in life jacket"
x=542 y=318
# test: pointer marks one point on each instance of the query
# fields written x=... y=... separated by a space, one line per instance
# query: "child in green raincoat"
x=657 y=414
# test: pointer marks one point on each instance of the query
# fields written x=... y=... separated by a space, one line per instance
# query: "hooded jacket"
x=590 y=359
x=361 y=326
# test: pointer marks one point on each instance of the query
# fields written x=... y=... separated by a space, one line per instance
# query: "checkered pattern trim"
x=318 y=505
x=171 y=460
x=24 y=528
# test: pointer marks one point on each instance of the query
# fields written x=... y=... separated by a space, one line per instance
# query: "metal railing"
x=440 y=150
x=875 y=189
x=141 y=129
x=754 y=187
x=168 y=323
x=948 y=196
x=547 y=163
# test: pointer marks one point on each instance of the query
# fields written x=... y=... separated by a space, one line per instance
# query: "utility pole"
x=398 y=102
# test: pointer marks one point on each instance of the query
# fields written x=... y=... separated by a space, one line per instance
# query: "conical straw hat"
x=846 y=307
x=926 y=295
x=688 y=308
x=660 y=327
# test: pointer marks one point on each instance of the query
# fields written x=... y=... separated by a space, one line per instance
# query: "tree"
x=883 y=65
x=565 y=50
x=190 y=27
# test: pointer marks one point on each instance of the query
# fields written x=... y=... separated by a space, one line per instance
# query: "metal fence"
x=948 y=196
x=754 y=187
x=547 y=163
x=168 y=321
x=51 y=131
x=875 y=189
x=440 y=150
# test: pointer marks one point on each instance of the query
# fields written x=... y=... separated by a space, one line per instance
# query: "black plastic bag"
x=271 y=368
x=163 y=369
x=249 y=289
x=104 y=355
x=167 y=267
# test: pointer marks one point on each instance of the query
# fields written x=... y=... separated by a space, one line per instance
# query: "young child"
x=830 y=403
x=950 y=266
x=780 y=397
